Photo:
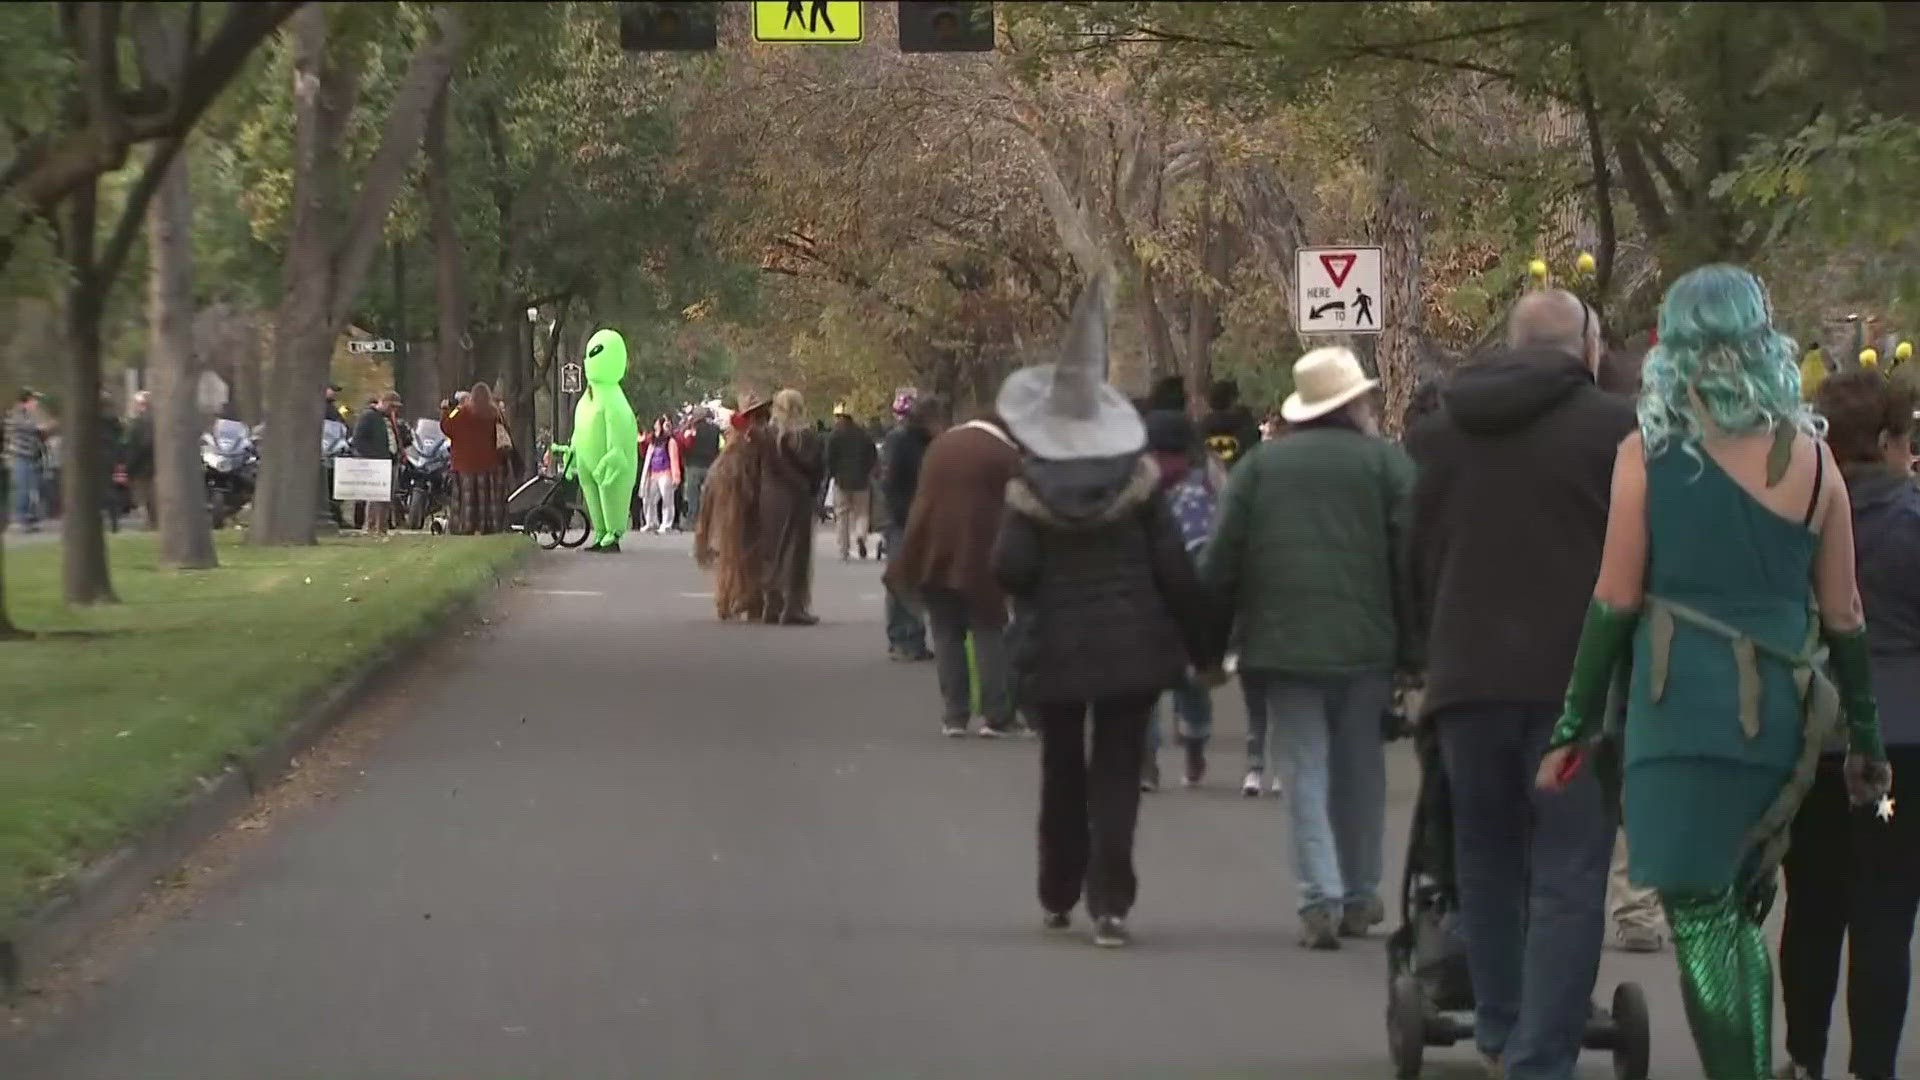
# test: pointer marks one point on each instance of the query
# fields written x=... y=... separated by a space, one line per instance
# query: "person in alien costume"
x=606 y=442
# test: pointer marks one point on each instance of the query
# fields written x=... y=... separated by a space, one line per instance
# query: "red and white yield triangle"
x=1339 y=266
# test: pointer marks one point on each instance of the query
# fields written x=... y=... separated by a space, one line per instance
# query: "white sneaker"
x=1275 y=787
x=1250 y=787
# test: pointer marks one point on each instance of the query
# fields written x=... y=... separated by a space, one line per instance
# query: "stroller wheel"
x=577 y=529
x=547 y=526
x=1632 y=1047
x=1406 y=1025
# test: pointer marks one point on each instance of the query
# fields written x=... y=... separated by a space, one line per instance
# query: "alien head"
x=606 y=359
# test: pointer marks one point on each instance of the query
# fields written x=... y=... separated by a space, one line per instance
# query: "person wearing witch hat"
x=726 y=529
x=1108 y=613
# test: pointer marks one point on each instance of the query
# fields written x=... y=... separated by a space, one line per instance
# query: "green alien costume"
x=606 y=442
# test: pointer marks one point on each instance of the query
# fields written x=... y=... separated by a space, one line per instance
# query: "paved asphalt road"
x=620 y=840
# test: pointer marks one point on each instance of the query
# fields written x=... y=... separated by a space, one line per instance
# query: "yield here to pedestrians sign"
x=807 y=22
x=1338 y=291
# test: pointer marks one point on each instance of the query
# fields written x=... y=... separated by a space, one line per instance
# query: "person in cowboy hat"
x=726 y=530
x=1107 y=612
x=1306 y=555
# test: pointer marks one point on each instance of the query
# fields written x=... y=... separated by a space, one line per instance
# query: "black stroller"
x=1429 y=991
x=548 y=508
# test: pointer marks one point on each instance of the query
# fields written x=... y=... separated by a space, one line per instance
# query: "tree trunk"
x=416 y=372
x=1277 y=231
x=1214 y=255
x=449 y=260
x=328 y=256
x=186 y=532
x=1401 y=231
x=1162 y=358
x=84 y=575
x=283 y=511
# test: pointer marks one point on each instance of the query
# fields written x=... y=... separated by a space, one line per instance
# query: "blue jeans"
x=1253 y=691
x=906 y=630
x=1326 y=743
x=1192 y=717
x=26 y=492
x=1532 y=875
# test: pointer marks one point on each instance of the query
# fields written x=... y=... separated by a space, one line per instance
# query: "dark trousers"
x=1851 y=877
x=1531 y=868
x=951 y=620
x=906 y=630
x=1090 y=803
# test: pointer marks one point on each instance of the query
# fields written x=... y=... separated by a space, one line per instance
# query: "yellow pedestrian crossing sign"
x=807 y=22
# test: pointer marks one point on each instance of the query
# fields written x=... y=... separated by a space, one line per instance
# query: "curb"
x=107 y=888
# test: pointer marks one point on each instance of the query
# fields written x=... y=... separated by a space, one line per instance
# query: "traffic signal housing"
x=669 y=26
x=939 y=26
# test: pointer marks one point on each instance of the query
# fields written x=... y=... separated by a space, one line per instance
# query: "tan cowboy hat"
x=1324 y=380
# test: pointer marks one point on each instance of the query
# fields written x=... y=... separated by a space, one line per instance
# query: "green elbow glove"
x=1605 y=640
x=1853 y=677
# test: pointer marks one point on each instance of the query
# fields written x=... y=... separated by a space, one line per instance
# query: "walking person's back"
x=945 y=564
x=1510 y=515
x=852 y=460
x=1307 y=553
x=1853 y=877
x=1107 y=616
x=1727 y=523
x=921 y=418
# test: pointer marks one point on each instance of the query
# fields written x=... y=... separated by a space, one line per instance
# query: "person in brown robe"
x=789 y=498
x=727 y=530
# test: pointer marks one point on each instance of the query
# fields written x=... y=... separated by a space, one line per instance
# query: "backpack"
x=1195 y=506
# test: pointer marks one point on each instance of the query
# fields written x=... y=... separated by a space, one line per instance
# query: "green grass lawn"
x=108 y=716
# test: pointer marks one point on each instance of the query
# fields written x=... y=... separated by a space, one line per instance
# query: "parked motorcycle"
x=232 y=466
x=426 y=475
x=336 y=442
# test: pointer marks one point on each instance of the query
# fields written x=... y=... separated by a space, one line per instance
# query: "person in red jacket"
x=479 y=500
x=660 y=471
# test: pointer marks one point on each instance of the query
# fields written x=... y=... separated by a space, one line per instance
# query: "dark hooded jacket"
x=1106 y=604
x=1886 y=539
x=1509 y=518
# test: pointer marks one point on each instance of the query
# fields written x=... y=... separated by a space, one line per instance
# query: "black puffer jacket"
x=1106 y=602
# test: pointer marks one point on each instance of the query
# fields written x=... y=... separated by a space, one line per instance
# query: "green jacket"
x=1308 y=555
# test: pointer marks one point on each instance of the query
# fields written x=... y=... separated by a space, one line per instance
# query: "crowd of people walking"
x=1619 y=591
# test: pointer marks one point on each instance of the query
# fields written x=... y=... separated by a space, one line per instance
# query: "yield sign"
x=1338 y=266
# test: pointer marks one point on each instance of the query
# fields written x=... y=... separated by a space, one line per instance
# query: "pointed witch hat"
x=1067 y=410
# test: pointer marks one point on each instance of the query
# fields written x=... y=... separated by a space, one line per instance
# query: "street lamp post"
x=533 y=363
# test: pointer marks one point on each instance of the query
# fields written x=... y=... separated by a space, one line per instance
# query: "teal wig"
x=1719 y=365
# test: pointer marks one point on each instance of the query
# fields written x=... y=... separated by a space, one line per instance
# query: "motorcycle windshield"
x=229 y=436
x=428 y=436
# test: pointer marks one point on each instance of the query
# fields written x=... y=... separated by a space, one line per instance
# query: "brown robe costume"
x=726 y=532
x=789 y=493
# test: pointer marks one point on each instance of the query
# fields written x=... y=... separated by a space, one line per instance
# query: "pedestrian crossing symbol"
x=807 y=22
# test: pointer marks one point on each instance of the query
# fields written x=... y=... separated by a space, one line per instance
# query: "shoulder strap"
x=1819 y=477
x=1780 y=455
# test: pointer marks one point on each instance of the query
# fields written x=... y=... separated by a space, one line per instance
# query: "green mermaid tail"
x=1726 y=979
